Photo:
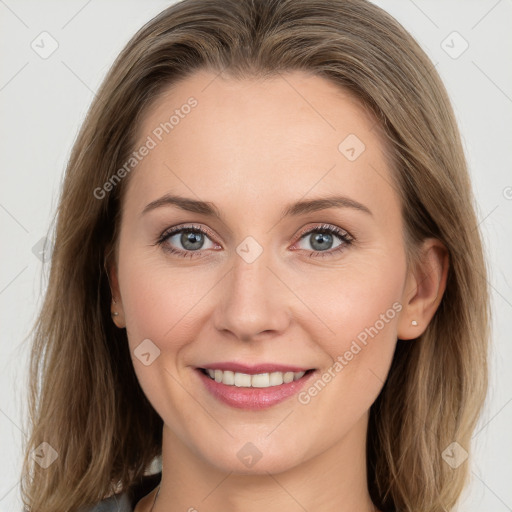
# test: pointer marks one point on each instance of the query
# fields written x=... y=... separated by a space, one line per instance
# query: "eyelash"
x=325 y=228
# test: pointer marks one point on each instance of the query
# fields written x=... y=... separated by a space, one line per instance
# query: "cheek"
x=361 y=305
x=145 y=309
x=159 y=302
x=358 y=308
x=155 y=309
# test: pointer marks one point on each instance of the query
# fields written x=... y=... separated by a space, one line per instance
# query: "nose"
x=254 y=301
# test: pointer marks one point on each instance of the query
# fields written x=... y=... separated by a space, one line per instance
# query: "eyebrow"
x=295 y=209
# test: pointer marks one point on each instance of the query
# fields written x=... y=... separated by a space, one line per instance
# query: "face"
x=261 y=283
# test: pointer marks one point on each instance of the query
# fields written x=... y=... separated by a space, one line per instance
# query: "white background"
x=43 y=102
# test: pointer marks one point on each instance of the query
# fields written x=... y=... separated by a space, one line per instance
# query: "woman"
x=193 y=312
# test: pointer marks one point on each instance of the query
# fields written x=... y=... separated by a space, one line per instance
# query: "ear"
x=116 y=306
x=424 y=289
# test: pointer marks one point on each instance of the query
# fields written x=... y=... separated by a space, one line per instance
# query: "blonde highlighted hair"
x=84 y=397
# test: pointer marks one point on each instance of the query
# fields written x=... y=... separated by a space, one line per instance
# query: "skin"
x=251 y=147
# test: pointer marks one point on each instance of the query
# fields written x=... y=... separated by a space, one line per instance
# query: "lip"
x=253 y=369
x=253 y=398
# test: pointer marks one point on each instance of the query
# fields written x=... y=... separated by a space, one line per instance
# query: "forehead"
x=246 y=139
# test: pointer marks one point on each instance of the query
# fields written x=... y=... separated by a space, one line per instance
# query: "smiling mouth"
x=260 y=380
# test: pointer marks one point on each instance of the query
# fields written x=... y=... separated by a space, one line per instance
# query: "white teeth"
x=276 y=378
x=288 y=377
x=260 y=380
x=242 y=380
x=228 y=377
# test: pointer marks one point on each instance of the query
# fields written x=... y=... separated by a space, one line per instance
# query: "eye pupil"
x=192 y=238
x=321 y=239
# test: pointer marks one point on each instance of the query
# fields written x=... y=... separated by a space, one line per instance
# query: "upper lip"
x=254 y=369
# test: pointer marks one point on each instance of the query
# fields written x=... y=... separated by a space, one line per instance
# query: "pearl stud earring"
x=414 y=323
x=114 y=313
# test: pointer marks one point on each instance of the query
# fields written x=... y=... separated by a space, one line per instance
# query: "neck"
x=334 y=480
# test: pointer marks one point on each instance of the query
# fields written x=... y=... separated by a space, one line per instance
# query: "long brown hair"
x=85 y=400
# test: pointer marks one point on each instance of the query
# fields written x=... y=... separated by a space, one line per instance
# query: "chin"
x=277 y=463
x=258 y=457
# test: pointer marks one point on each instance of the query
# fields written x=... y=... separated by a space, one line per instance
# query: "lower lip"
x=253 y=398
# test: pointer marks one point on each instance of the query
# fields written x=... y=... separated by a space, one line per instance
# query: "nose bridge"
x=253 y=300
